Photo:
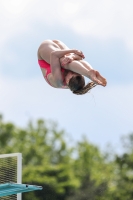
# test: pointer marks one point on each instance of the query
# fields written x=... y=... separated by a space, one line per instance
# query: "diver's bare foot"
x=96 y=77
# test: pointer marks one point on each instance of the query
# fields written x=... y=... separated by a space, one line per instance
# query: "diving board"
x=11 y=177
x=14 y=188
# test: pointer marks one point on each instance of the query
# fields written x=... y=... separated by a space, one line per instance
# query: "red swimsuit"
x=45 y=65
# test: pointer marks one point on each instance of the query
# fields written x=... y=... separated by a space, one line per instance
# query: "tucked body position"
x=66 y=68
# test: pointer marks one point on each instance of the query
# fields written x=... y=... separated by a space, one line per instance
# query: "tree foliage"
x=80 y=172
x=124 y=179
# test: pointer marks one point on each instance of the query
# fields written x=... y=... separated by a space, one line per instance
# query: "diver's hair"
x=77 y=85
x=85 y=89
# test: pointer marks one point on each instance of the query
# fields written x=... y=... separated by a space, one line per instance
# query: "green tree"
x=124 y=177
x=6 y=133
x=80 y=173
x=93 y=172
x=46 y=158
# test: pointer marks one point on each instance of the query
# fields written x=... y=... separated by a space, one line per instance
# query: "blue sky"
x=103 y=31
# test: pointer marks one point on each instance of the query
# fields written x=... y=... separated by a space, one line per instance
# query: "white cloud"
x=103 y=19
x=14 y=7
x=71 y=8
x=13 y=15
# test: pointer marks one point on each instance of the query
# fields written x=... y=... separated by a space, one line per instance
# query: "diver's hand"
x=60 y=53
x=69 y=58
x=79 y=53
x=65 y=60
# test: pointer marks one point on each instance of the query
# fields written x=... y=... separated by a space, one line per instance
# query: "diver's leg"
x=60 y=44
x=92 y=74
